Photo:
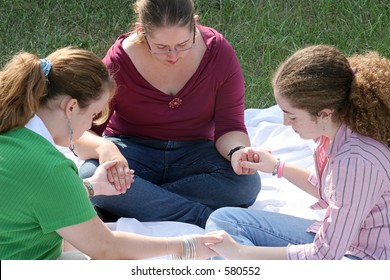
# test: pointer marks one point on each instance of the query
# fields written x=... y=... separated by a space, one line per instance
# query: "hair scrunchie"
x=45 y=66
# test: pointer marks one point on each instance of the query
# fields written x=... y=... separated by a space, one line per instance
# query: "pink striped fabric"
x=355 y=190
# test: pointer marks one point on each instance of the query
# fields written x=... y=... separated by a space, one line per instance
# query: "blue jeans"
x=175 y=181
x=262 y=228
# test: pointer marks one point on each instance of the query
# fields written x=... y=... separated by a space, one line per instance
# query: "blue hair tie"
x=45 y=66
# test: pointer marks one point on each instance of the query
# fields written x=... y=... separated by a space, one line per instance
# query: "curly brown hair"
x=357 y=88
x=370 y=96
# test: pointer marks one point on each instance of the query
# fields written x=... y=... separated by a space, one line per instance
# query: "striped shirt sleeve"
x=353 y=187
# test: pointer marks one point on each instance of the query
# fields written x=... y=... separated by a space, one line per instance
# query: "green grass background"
x=262 y=32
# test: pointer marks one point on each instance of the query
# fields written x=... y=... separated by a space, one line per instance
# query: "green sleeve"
x=63 y=199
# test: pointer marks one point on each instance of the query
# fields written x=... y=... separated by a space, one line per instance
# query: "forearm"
x=144 y=247
x=94 y=239
x=231 y=140
x=262 y=253
x=88 y=145
x=232 y=250
x=299 y=177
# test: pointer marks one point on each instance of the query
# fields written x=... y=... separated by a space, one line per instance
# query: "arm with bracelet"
x=232 y=146
x=268 y=163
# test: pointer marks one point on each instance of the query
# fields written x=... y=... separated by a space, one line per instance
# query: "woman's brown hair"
x=164 y=13
x=24 y=88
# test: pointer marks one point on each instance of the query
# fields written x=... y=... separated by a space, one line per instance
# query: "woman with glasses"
x=177 y=120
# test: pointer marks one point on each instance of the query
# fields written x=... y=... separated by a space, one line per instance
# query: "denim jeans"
x=262 y=228
x=175 y=181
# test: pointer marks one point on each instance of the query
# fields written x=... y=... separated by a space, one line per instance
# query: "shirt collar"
x=36 y=125
x=342 y=135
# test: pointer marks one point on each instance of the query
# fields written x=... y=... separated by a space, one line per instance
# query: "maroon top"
x=208 y=106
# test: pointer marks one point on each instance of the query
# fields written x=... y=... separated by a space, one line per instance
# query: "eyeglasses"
x=166 y=50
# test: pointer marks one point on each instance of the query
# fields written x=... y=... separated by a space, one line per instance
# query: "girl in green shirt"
x=43 y=201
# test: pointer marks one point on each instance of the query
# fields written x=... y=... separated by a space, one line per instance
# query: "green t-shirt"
x=40 y=192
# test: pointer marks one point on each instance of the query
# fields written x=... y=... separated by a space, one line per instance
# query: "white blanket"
x=266 y=130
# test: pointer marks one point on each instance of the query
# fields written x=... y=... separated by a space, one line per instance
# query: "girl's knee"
x=221 y=216
x=88 y=168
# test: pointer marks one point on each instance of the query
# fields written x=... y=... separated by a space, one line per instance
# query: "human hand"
x=202 y=243
x=120 y=175
x=246 y=154
x=228 y=248
x=101 y=184
x=263 y=160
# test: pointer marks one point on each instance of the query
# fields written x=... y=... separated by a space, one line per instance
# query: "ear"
x=139 y=27
x=325 y=114
x=70 y=106
x=196 y=18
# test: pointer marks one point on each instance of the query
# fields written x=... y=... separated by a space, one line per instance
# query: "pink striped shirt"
x=355 y=191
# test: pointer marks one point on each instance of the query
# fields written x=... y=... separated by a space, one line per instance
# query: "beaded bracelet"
x=89 y=187
x=278 y=168
x=275 y=171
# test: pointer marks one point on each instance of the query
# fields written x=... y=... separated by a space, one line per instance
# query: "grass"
x=263 y=32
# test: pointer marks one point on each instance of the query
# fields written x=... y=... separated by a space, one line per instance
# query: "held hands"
x=244 y=155
x=197 y=247
x=119 y=174
x=259 y=159
x=101 y=183
x=228 y=248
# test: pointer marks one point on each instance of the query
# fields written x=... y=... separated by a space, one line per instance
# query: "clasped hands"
x=113 y=176
x=244 y=161
x=252 y=159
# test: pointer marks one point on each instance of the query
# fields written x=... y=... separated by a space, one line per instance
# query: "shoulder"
x=26 y=141
x=214 y=39
x=31 y=152
x=368 y=151
x=115 y=52
x=32 y=166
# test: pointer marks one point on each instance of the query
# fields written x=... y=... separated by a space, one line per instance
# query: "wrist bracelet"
x=89 y=187
x=232 y=151
x=276 y=167
x=188 y=249
x=280 y=169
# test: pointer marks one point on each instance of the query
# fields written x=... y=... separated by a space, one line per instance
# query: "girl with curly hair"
x=344 y=105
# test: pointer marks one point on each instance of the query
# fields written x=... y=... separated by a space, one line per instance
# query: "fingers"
x=121 y=177
x=129 y=177
x=249 y=165
x=248 y=155
x=246 y=170
x=113 y=177
x=256 y=158
x=213 y=239
x=108 y=164
x=203 y=244
x=217 y=232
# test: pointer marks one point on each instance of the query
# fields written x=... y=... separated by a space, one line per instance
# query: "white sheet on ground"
x=266 y=130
